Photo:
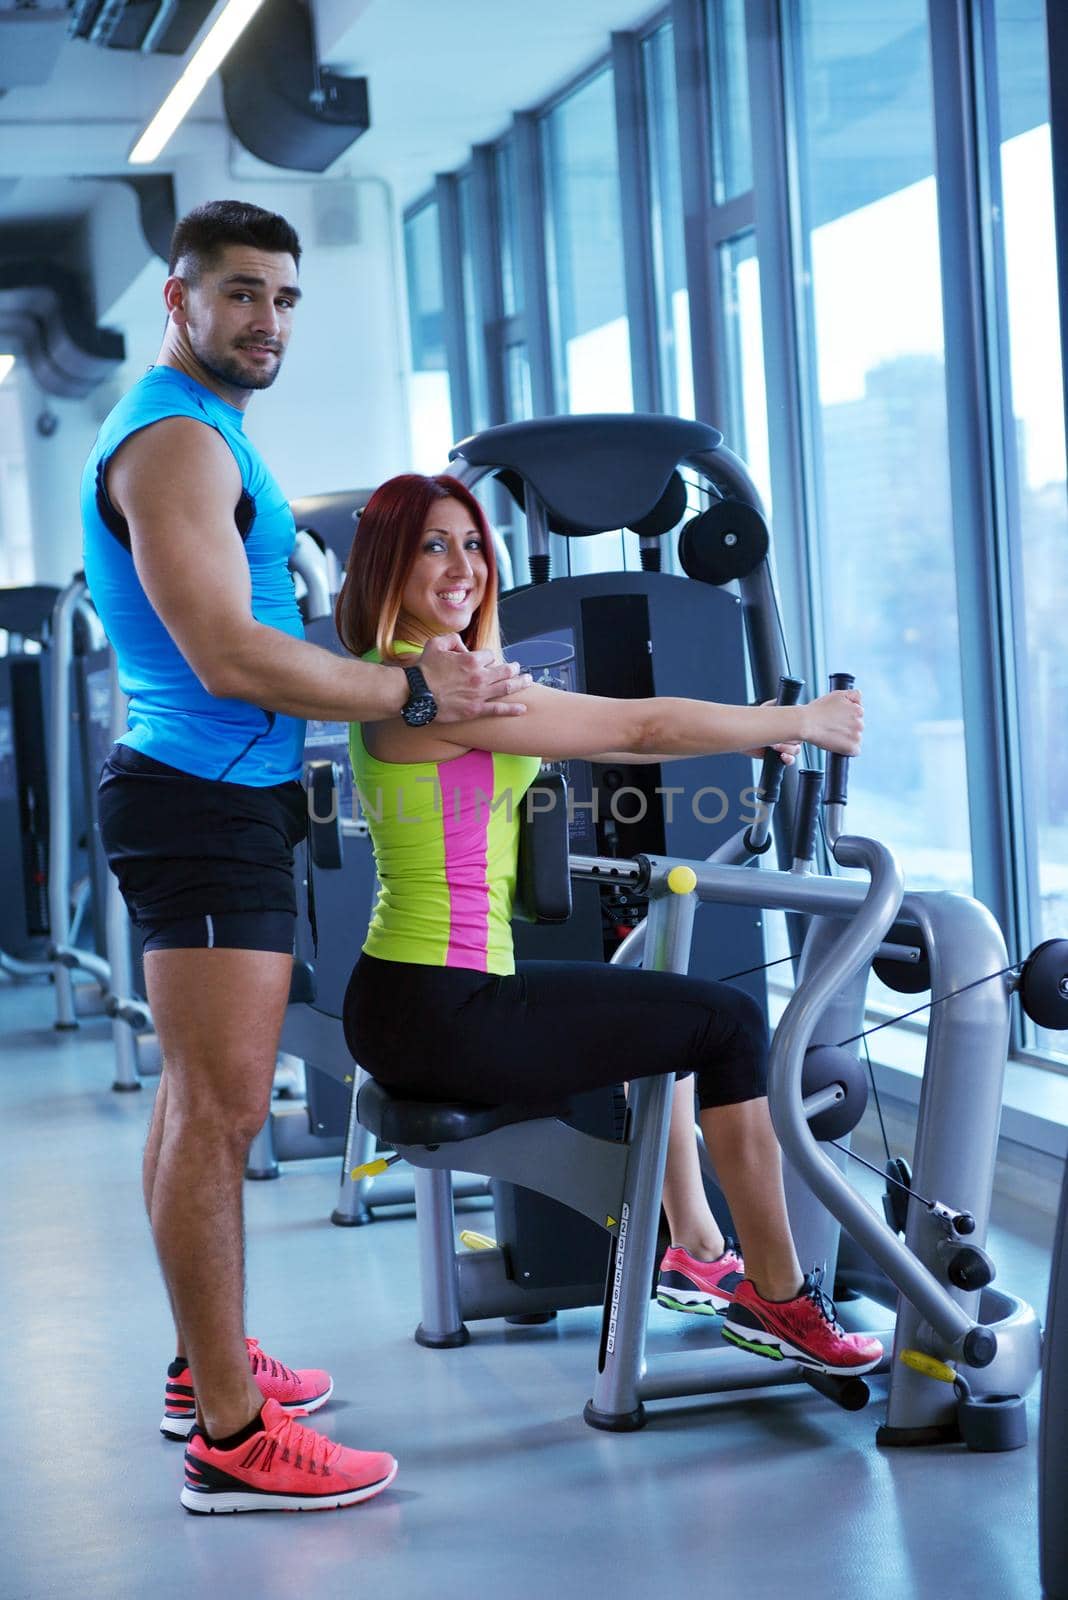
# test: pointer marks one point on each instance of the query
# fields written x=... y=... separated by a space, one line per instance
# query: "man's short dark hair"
x=200 y=237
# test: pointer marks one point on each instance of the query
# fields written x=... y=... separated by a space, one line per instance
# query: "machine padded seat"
x=398 y=1121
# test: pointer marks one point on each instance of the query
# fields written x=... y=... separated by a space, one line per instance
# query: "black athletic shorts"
x=200 y=863
x=550 y=1030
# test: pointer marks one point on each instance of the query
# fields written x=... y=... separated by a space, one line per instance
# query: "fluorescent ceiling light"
x=206 y=60
x=6 y=364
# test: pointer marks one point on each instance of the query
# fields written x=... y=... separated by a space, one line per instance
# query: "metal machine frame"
x=619 y=1185
x=845 y=925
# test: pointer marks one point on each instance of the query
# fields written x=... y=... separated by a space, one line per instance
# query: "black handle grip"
x=806 y=817
x=324 y=820
x=837 y=785
x=772 y=770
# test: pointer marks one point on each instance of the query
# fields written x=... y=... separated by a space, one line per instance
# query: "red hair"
x=384 y=549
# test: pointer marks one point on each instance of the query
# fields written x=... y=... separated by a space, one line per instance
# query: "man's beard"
x=227 y=370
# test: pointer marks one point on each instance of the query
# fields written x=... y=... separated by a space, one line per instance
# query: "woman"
x=436 y=1006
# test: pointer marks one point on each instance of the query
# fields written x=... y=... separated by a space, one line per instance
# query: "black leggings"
x=554 y=1029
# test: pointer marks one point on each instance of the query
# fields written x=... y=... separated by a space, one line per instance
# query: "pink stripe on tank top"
x=466 y=797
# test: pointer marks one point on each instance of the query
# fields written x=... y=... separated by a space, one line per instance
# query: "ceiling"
x=441 y=78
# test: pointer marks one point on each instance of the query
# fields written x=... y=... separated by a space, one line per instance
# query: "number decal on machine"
x=617 y=1278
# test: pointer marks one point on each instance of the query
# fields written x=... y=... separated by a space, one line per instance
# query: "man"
x=187 y=538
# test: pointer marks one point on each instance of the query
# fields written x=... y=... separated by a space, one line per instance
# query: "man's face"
x=238 y=316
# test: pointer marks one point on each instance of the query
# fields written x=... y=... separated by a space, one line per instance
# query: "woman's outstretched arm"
x=559 y=724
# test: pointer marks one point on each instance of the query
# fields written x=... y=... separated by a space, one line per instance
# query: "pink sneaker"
x=805 y=1329
x=304 y=1390
x=284 y=1467
x=704 y=1287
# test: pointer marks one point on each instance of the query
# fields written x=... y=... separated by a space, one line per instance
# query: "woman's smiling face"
x=445 y=587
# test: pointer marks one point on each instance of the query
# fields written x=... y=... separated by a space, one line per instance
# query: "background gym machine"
x=51 y=917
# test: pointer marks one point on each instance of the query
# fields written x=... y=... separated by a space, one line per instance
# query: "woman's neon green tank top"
x=445 y=836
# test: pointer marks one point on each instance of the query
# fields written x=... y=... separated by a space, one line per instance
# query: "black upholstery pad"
x=397 y=1121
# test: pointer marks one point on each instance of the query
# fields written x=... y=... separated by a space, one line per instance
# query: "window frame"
x=966 y=148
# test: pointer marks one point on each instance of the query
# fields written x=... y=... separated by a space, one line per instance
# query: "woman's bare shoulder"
x=397 y=744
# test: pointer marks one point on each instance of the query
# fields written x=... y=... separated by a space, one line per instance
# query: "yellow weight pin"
x=930 y=1366
x=682 y=880
x=373 y=1169
x=476 y=1241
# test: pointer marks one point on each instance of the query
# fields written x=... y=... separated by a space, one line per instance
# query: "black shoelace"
x=814 y=1291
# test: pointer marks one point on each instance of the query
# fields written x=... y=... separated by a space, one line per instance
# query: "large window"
x=587 y=299
x=1037 y=485
x=511 y=256
x=430 y=410
x=885 y=574
x=474 y=340
x=729 y=88
x=666 y=224
x=518 y=388
x=747 y=422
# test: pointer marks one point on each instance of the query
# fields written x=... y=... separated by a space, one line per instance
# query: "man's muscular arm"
x=177 y=485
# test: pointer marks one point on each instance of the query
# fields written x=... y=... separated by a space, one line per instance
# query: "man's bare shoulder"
x=179 y=452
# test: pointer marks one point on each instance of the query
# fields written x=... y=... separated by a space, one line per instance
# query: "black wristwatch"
x=420 y=708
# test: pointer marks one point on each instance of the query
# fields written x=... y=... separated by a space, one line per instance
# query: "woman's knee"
x=734 y=1021
x=734 y=1064
x=751 y=1022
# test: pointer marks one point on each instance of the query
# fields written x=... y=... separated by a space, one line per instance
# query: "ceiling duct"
x=160 y=27
x=43 y=313
x=31 y=38
x=280 y=103
x=155 y=204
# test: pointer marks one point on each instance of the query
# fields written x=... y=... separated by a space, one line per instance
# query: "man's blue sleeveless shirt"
x=172 y=716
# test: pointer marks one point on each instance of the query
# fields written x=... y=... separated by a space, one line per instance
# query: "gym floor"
x=503 y=1490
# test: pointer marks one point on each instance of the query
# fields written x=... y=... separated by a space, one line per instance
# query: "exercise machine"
x=79 y=736
x=593 y=473
x=53 y=900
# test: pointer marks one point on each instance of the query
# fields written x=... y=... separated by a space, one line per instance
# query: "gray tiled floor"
x=503 y=1491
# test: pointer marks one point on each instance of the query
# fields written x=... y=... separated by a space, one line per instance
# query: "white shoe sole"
x=771 y=1347
x=207 y=1504
x=698 y=1301
x=179 y=1428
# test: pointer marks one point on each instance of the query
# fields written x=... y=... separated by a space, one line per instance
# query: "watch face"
x=421 y=709
x=421 y=706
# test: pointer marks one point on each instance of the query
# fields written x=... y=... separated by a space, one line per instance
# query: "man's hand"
x=471 y=683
